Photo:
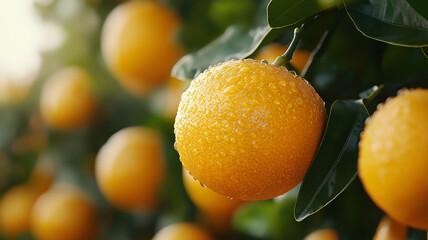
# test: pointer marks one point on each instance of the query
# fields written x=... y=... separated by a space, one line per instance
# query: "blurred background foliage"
x=350 y=63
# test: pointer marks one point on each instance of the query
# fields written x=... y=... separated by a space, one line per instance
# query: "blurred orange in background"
x=138 y=44
x=130 y=167
x=64 y=212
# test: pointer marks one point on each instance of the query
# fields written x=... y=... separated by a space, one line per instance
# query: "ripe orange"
x=212 y=203
x=249 y=130
x=130 y=167
x=67 y=101
x=393 y=158
x=389 y=229
x=323 y=234
x=64 y=212
x=272 y=51
x=15 y=211
x=138 y=44
x=180 y=231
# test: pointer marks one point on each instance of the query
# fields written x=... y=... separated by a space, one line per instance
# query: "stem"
x=288 y=55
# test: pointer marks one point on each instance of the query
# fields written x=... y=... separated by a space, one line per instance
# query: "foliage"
x=358 y=47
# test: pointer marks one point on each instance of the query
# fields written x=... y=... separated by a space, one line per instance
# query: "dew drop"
x=282 y=83
x=229 y=198
x=175 y=146
x=202 y=185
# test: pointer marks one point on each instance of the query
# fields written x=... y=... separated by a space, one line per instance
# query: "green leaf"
x=285 y=13
x=421 y=6
x=392 y=21
x=335 y=164
x=235 y=43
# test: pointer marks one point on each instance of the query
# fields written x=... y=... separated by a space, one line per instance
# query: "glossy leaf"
x=391 y=21
x=284 y=13
x=335 y=164
x=235 y=43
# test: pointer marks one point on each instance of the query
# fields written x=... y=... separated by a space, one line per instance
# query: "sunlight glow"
x=23 y=36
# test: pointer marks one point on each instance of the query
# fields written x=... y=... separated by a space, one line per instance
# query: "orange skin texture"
x=212 y=203
x=67 y=101
x=138 y=44
x=65 y=213
x=389 y=229
x=249 y=130
x=180 y=231
x=272 y=51
x=15 y=211
x=323 y=234
x=130 y=167
x=393 y=158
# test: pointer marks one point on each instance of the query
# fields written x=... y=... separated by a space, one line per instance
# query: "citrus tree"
x=222 y=119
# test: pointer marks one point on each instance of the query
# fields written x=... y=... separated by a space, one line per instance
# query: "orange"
x=130 y=167
x=212 y=203
x=138 y=44
x=393 y=157
x=323 y=234
x=67 y=101
x=15 y=211
x=272 y=51
x=64 y=212
x=389 y=229
x=180 y=231
x=249 y=130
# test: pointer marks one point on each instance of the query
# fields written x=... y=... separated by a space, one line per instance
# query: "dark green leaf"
x=391 y=21
x=235 y=43
x=421 y=6
x=284 y=13
x=335 y=164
